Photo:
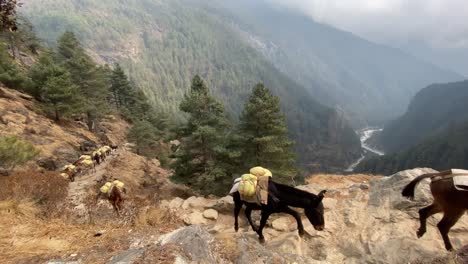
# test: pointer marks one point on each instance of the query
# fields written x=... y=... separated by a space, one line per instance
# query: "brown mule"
x=116 y=199
x=447 y=199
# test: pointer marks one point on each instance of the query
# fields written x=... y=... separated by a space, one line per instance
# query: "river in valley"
x=364 y=135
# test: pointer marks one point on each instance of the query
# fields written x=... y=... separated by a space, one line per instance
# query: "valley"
x=364 y=135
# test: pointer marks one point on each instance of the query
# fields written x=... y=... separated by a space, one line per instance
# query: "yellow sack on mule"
x=248 y=185
x=118 y=184
x=106 y=187
x=257 y=171
x=260 y=171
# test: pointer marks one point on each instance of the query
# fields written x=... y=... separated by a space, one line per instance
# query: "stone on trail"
x=210 y=214
x=194 y=241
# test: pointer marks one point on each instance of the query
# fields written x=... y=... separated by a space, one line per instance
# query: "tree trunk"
x=57 y=115
x=90 y=122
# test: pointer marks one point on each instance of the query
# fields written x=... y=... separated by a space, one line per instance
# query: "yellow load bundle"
x=260 y=171
x=118 y=184
x=106 y=148
x=87 y=163
x=69 y=167
x=97 y=153
x=106 y=187
x=85 y=157
x=248 y=185
x=64 y=175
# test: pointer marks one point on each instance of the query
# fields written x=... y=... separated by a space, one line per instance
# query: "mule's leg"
x=296 y=216
x=237 y=208
x=248 y=214
x=424 y=213
x=263 y=221
x=446 y=223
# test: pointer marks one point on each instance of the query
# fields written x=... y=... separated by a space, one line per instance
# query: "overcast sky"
x=439 y=23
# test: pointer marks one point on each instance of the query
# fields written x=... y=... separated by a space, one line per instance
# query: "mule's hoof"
x=301 y=233
x=261 y=240
x=420 y=233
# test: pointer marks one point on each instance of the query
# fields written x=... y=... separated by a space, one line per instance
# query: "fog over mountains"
x=433 y=30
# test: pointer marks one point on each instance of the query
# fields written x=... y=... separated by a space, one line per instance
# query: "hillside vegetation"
x=163 y=44
x=448 y=149
x=372 y=83
x=432 y=110
x=432 y=133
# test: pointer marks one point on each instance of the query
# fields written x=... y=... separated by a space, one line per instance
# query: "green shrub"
x=15 y=151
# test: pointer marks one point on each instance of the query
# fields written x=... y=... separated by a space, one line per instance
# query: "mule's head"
x=314 y=212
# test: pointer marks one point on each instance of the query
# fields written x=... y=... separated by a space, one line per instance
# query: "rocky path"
x=79 y=189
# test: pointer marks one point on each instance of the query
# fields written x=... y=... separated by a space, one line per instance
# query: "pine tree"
x=40 y=73
x=10 y=74
x=60 y=96
x=91 y=80
x=201 y=158
x=120 y=87
x=143 y=134
x=264 y=136
x=8 y=15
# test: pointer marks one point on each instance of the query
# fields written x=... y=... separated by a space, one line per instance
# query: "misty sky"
x=441 y=26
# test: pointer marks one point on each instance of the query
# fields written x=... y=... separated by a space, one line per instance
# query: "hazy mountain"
x=431 y=111
x=164 y=43
x=432 y=133
x=372 y=83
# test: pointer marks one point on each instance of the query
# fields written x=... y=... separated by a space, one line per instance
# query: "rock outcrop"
x=374 y=224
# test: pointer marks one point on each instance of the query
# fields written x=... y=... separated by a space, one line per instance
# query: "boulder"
x=195 y=218
x=195 y=242
x=67 y=155
x=224 y=205
x=197 y=202
x=174 y=204
x=386 y=192
x=127 y=256
x=281 y=224
x=210 y=214
x=47 y=163
x=88 y=145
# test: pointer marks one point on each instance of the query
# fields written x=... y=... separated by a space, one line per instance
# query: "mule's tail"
x=408 y=191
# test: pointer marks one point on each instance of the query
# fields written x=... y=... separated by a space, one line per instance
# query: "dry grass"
x=163 y=219
x=227 y=247
x=46 y=190
x=18 y=208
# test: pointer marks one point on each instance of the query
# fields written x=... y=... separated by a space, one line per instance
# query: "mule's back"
x=447 y=195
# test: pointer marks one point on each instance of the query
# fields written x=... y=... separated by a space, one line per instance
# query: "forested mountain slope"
x=163 y=44
x=371 y=82
x=431 y=111
x=448 y=149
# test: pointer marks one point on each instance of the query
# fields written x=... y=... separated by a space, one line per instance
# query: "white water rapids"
x=364 y=135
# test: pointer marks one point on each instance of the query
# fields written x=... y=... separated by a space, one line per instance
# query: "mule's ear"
x=321 y=195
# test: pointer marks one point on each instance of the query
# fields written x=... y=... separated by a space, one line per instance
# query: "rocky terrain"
x=367 y=220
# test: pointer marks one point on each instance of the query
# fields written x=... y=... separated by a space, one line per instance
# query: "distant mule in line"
x=447 y=199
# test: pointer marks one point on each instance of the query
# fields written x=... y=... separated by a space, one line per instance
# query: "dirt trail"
x=78 y=189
